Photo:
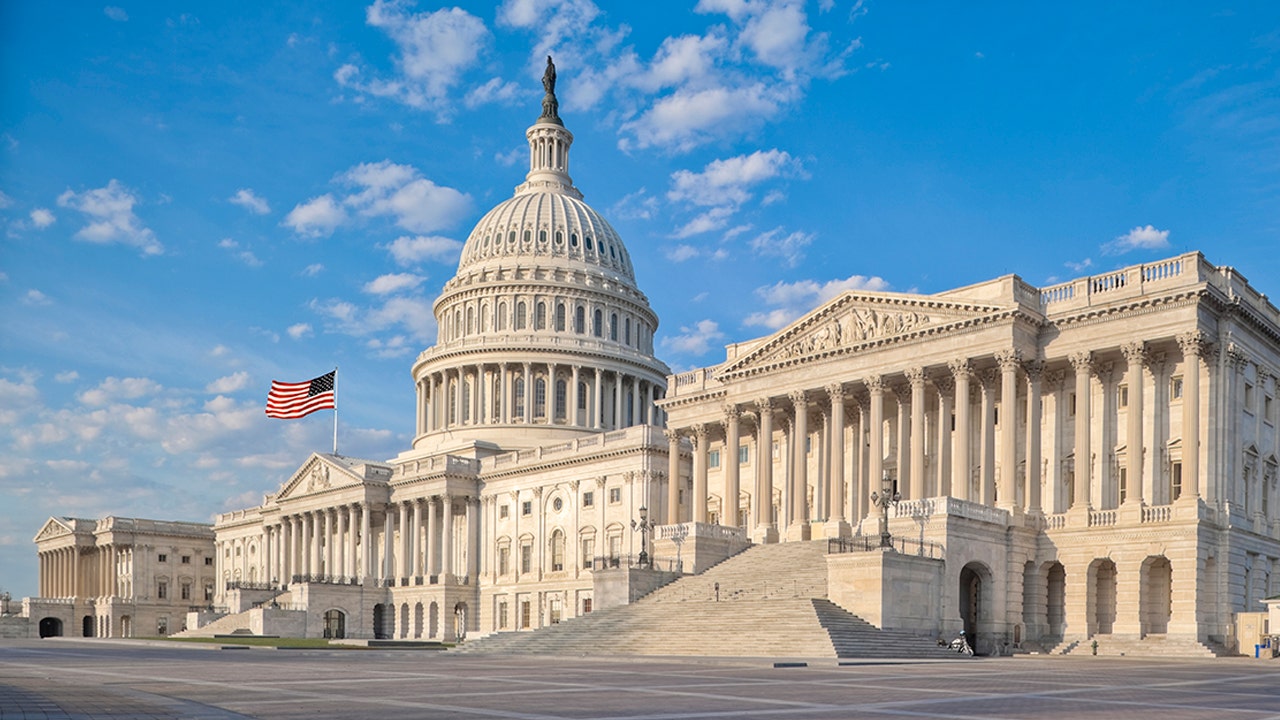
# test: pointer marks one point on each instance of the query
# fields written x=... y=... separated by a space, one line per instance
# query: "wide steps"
x=1149 y=646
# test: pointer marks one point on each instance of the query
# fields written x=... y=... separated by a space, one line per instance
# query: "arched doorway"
x=1033 y=601
x=380 y=622
x=86 y=626
x=975 y=598
x=404 y=620
x=1157 y=595
x=460 y=621
x=126 y=626
x=1056 y=600
x=50 y=627
x=335 y=624
x=433 y=620
x=1102 y=574
x=417 y=620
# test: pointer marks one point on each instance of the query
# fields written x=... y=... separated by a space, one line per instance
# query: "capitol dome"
x=543 y=334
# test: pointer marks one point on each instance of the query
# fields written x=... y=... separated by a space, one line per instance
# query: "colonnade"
x=974 y=429
x=67 y=572
x=418 y=539
x=544 y=393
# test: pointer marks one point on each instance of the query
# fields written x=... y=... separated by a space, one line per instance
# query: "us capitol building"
x=1051 y=466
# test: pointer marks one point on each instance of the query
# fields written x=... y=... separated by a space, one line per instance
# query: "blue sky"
x=197 y=198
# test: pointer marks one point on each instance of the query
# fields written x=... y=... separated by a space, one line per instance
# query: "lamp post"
x=644 y=525
x=883 y=500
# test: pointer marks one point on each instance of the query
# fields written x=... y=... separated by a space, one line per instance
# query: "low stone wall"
x=625 y=585
x=888 y=589
x=14 y=627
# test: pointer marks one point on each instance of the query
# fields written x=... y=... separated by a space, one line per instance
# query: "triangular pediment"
x=317 y=475
x=858 y=319
x=52 y=528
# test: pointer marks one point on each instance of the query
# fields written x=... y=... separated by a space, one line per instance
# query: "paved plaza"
x=121 y=680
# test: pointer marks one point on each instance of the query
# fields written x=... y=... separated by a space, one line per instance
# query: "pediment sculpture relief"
x=857 y=325
x=319 y=477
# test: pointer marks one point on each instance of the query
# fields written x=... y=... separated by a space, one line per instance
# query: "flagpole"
x=335 y=409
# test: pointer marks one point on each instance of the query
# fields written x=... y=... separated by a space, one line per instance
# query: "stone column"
x=902 y=428
x=766 y=531
x=673 y=477
x=459 y=404
x=415 y=544
x=327 y=516
x=699 y=503
x=729 y=508
x=473 y=554
x=446 y=539
x=388 y=539
x=960 y=463
x=1009 y=360
x=1034 y=370
x=572 y=410
x=633 y=417
x=1192 y=346
x=402 y=552
x=366 y=542
x=1135 y=354
x=798 y=527
x=942 y=480
x=837 y=526
x=504 y=395
x=875 y=443
x=528 y=393
x=597 y=393
x=311 y=545
x=433 y=541
x=987 y=463
x=1082 y=362
x=617 y=404
x=916 y=377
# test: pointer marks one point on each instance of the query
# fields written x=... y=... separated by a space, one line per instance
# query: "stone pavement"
x=124 y=680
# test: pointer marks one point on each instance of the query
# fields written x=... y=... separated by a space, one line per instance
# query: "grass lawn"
x=263 y=642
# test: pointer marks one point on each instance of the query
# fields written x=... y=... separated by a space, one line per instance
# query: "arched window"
x=466 y=401
x=613 y=327
x=542 y=236
x=453 y=405
x=561 y=404
x=495 y=397
x=511 y=236
x=540 y=317
x=484 y=318
x=502 y=316
x=559 y=238
x=628 y=336
x=573 y=239
x=540 y=398
x=557 y=551
x=528 y=235
x=589 y=245
x=597 y=324
x=521 y=313
x=471 y=320
x=582 y=396
x=559 y=317
x=580 y=320
x=518 y=390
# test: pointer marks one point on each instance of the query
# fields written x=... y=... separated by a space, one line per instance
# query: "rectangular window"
x=503 y=512
x=1175 y=470
x=208 y=561
x=526 y=558
x=526 y=507
x=615 y=495
x=588 y=499
x=526 y=614
x=502 y=615
x=1122 y=396
x=713 y=459
x=1071 y=405
x=186 y=559
x=588 y=551
x=186 y=591
x=162 y=558
x=744 y=454
x=162 y=590
x=1248 y=397
x=586 y=605
x=1175 y=388
x=162 y=625
x=1124 y=482
x=1268 y=409
x=208 y=592
x=504 y=560
x=615 y=547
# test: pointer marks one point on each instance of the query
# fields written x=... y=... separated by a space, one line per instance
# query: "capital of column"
x=672 y=435
x=799 y=399
x=1034 y=368
x=1193 y=343
x=1053 y=379
x=731 y=413
x=989 y=378
x=960 y=366
x=903 y=392
x=944 y=383
x=836 y=392
x=700 y=431
x=1009 y=359
x=875 y=384
x=1081 y=361
x=1135 y=353
x=915 y=376
x=1236 y=357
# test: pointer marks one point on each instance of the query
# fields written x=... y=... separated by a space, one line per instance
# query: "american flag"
x=294 y=400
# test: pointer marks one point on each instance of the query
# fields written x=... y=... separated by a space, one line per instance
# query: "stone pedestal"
x=888 y=589
x=625 y=585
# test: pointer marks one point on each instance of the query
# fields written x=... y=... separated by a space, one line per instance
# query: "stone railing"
x=693 y=381
x=1157 y=514
x=642 y=433
x=633 y=561
x=1102 y=518
x=902 y=545
x=438 y=463
x=945 y=505
x=681 y=531
x=1055 y=522
x=1128 y=282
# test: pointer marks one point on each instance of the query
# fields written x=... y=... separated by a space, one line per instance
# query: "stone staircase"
x=233 y=624
x=771 y=603
x=1149 y=646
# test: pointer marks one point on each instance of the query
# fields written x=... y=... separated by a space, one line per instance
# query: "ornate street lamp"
x=644 y=526
x=883 y=500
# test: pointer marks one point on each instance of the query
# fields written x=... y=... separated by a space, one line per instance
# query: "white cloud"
x=115 y=13
x=393 y=283
x=727 y=181
x=556 y=23
x=382 y=189
x=406 y=315
x=712 y=219
x=797 y=298
x=111 y=217
x=408 y=250
x=113 y=389
x=688 y=118
x=316 y=217
x=509 y=159
x=35 y=297
x=245 y=256
x=1139 y=238
x=66 y=377
x=228 y=384
x=434 y=49
x=42 y=218
x=5 y=200
x=494 y=91
x=297 y=331
x=246 y=198
x=695 y=339
x=312 y=270
x=788 y=246
x=681 y=253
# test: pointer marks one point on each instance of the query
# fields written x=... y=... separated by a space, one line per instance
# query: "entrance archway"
x=335 y=624
x=126 y=626
x=975 y=599
x=50 y=627
x=1102 y=576
x=1157 y=595
x=460 y=621
x=380 y=622
x=1056 y=600
x=433 y=620
x=86 y=626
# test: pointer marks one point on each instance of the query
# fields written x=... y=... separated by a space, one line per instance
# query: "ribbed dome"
x=538 y=224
